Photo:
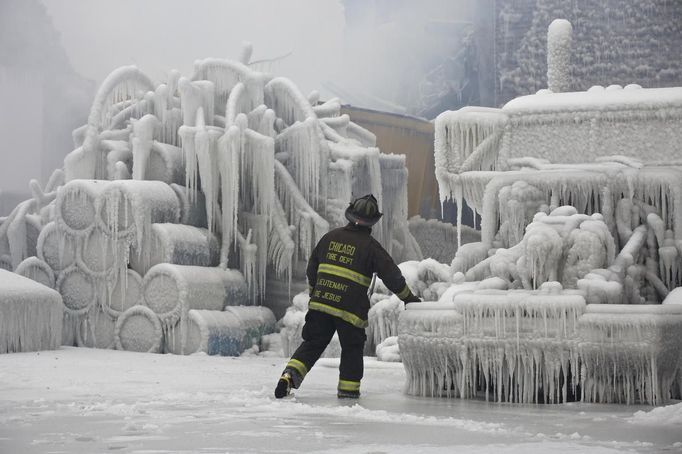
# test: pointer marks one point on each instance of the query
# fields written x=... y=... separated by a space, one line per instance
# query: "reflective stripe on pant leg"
x=348 y=385
x=298 y=366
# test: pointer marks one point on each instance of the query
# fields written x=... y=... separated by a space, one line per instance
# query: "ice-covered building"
x=188 y=204
x=580 y=195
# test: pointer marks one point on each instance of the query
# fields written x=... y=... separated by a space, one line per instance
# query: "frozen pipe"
x=30 y=315
x=226 y=333
x=126 y=293
x=178 y=244
x=117 y=151
x=77 y=205
x=78 y=290
x=192 y=206
x=57 y=249
x=138 y=329
x=245 y=53
x=97 y=330
x=36 y=270
x=100 y=253
x=330 y=109
x=172 y=290
x=629 y=252
x=144 y=131
x=129 y=207
x=559 y=38
x=165 y=164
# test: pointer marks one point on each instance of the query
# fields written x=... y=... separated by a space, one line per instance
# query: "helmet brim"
x=353 y=218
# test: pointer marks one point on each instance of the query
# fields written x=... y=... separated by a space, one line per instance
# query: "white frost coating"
x=310 y=225
x=281 y=246
x=122 y=84
x=178 y=244
x=36 y=270
x=145 y=130
x=99 y=253
x=77 y=205
x=438 y=240
x=383 y=321
x=195 y=96
x=559 y=39
x=225 y=74
x=226 y=333
x=172 y=290
x=256 y=321
x=138 y=329
x=165 y=164
x=192 y=209
x=129 y=207
x=57 y=249
x=301 y=142
x=78 y=289
x=331 y=109
x=629 y=353
x=97 y=330
x=284 y=97
x=30 y=315
x=389 y=350
x=125 y=294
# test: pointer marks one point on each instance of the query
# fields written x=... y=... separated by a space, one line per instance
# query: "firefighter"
x=339 y=274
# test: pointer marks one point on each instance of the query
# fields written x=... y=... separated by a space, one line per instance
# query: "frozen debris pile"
x=438 y=240
x=30 y=315
x=195 y=196
x=581 y=242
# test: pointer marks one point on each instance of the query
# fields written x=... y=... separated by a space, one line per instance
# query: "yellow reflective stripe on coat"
x=340 y=313
x=404 y=292
x=345 y=273
x=299 y=366
x=349 y=385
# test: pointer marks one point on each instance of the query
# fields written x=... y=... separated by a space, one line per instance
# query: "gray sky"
x=159 y=35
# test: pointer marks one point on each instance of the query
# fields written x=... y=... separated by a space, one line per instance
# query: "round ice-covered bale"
x=30 y=315
x=226 y=333
x=176 y=243
x=96 y=330
x=36 y=270
x=171 y=290
x=138 y=329
x=100 y=253
x=57 y=249
x=165 y=164
x=256 y=321
x=78 y=290
x=125 y=294
x=211 y=332
x=129 y=207
x=77 y=205
x=192 y=206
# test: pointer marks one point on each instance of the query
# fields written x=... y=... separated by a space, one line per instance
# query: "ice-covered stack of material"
x=30 y=315
x=225 y=169
x=171 y=291
x=292 y=328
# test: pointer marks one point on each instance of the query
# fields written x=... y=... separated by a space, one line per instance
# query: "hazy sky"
x=159 y=35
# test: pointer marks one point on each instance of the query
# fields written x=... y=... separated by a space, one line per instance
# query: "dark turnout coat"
x=340 y=272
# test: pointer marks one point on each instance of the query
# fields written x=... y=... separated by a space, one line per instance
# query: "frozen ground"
x=77 y=400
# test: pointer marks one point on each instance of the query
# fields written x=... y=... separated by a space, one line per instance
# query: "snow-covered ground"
x=79 y=400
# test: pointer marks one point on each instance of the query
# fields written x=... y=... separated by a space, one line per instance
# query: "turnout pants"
x=318 y=331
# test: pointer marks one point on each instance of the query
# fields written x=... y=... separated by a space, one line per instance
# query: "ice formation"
x=580 y=244
x=195 y=196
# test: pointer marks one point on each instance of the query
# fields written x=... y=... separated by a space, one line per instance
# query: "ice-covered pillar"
x=559 y=38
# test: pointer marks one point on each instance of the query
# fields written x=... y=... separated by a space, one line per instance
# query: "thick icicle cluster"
x=195 y=195
x=580 y=240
